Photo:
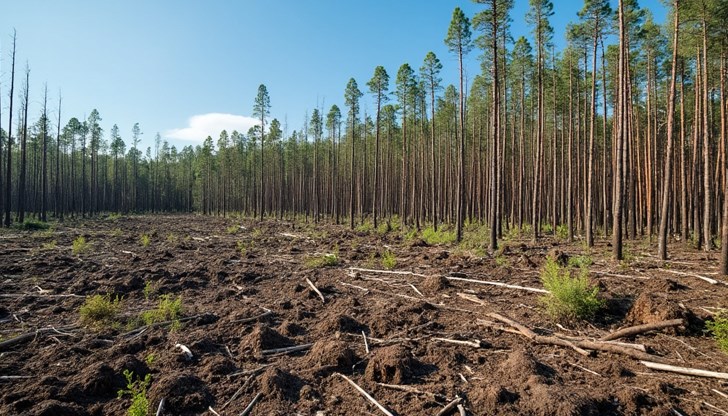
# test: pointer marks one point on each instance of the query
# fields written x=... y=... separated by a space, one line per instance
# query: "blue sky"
x=189 y=68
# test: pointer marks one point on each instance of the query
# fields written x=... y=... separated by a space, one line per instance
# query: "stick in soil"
x=461 y=410
x=684 y=370
x=400 y=272
x=450 y=407
x=212 y=411
x=253 y=318
x=679 y=273
x=499 y=284
x=366 y=344
x=160 y=408
x=475 y=344
x=410 y=389
x=639 y=329
x=249 y=409
x=286 y=350
x=415 y=289
x=367 y=395
x=315 y=289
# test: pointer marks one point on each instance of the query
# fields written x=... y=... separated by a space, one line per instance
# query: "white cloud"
x=211 y=124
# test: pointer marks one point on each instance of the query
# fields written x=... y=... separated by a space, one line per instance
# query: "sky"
x=189 y=68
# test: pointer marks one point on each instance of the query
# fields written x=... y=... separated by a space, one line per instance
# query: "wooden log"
x=499 y=284
x=684 y=370
x=367 y=395
x=639 y=329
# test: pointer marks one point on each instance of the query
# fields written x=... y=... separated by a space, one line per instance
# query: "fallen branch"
x=461 y=410
x=684 y=370
x=626 y=276
x=315 y=289
x=400 y=272
x=249 y=408
x=639 y=329
x=475 y=344
x=30 y=335
x=160 y=408
x=366 y=344
x=638 y=347
x=253 y=318
x=415 y=289
x=286 y=350
x=579 y=345
x=450 y=407
x=707 y=279
x=15 y=377
x=248 y=372
x=158 y=324
x=212 y=411
x=499 y=284
x=367 y=395
x=410 y=389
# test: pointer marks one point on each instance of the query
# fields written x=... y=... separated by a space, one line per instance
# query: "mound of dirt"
x=651 y=307
x=340 y=323
x=329 y=356
x=280 y=384
x=214 y=366
x=264 y=338
x=56 y=408
x=391 y=364
x=561 y=258
x=434 y=284
x=184 y=395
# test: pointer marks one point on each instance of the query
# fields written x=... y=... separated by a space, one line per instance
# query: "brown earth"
x=226 y=276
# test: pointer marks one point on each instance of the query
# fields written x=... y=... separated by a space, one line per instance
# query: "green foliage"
x=137 y=389
x=233 y=229
x=148 y=289
x=144 y=240
x=113 y=216
x=150 y=358
x=116 y=232
x=243 y=247
x=389 y=261
x=80 y=245
x=99 y=310
x=33 y=225
x=168 y=309
x=501 y=260
x=569 y=297
x=324 y=260
x=410 y=235
x=582 y=261
x=51 y=245
x=718 y=327
x=562 y=232
x=547 y=228
x=439 y=236
x=364 y=227
x=171 y=238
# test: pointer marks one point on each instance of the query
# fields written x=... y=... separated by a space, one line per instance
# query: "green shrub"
x=99 y=310
x=547 y=228
x=569 y=297
x=233 y=229
x=148 y=289
x=137 y=389
x=113 y=216
x=171 y=238
x=718 y=327
x=389 y=260
x=364 y=227
x=144 y=240
x=439 y=236
x=324 y=260
x=581 y=261
x=80 y=245
x=33 y=225
x=562 y=232
x=168 y=309
x=51 y=245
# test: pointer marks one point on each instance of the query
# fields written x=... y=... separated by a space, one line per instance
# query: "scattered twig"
x=30 y=335
x=367 y=395
x=15 y=377
x=160 y=408
x=315 y=289
x=286 y=350
x=639 y=329
x=499 y=284
x=415 y=289
x=684 y=370
x=716 y=408
x=475 y=344
x=720 y=393
x=584 y=369
x=248 y=372
x=462 y=377
x=366 y=344
x=212 y=411
x=461 y=410
x=253 y=318
x=401 y=272
x=249 y=408
x=186 y=351
x=449 y=407
x=158 y=324
x=626 y=276
x=410 y=389
x=679 y=273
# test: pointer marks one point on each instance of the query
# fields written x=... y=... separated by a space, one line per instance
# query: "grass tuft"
x=389 y=261
x=100 y=310
x=80 y=245
x=718 y=328
x=439 y=236
x=569 y=298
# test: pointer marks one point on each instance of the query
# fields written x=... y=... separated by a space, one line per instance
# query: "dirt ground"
x=243 y=284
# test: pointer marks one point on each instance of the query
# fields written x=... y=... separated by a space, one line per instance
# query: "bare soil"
x=71 y=369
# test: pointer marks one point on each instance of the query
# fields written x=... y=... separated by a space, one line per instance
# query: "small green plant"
x=718 y=328
x=547 y=228
x=116 y=232
x=148 y=289
x=410 y=235
x=171 y=238
x=99 y=310
x=144 y=240
x=569 y=297
x=389 y=260
x=150 y=358
x=80 y=245
x=439 y=236
x=364 y=227
x=583 y=260
x=51 y=245
x=562 y=232
x=501 y=260
x=233 y=229
x=33 y=225
x=324 y=260
x=137 y=389
x=114 y=216
x=168 y=309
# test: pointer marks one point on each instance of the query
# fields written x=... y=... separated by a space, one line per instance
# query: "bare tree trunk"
x=8 y=171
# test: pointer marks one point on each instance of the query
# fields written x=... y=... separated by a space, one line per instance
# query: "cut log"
x=639 y=329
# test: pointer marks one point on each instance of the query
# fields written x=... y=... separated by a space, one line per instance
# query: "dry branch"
x=499 y=284
x=249 y=408
x=286 y=350
x=639 y=329
x=30 y=335
x=450 y=407
x=410 y=389
x=253 y=318
x=367 y=395
x=626 y=276
x=475 y=343
x=212 y=411
x=160 y=408
x=707 y=279
x=400 y=272
x=578 y=345
x=415 y=289
x=186 y=351
x=684 y=370
x=315 y=289
x=157 y=324
x=366 y=344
